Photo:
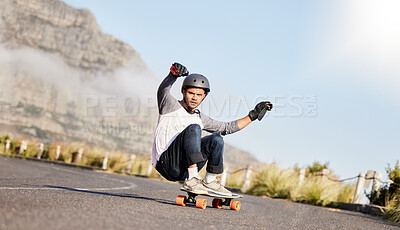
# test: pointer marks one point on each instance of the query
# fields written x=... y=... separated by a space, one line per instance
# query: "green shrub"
x=316 y=167
x=4 y=137
x=393 y=212
x=394 y=175
x=15 y=146
x=379 y=197
x=387 y=192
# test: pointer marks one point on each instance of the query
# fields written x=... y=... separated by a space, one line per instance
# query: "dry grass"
x=3 y=138
x=51 y=155
x=346 y=193
x=318 y=191
x=92 y=156
x=117 y=162
x=274 y=182
x=236 y=180
x=69 y=152
x=141 y=165
x=31 y=150
x=268 y=180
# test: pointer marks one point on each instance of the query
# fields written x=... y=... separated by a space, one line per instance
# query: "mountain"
x=72 y=33
x=63 y=79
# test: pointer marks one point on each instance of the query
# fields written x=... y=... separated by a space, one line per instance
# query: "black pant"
x=189 y=148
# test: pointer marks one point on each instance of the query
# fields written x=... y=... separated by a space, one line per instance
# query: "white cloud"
x=362 y=38
x=30 y=75
x=52 y=69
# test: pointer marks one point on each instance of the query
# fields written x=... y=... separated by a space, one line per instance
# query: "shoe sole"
x=214 y=192
x=200 y=192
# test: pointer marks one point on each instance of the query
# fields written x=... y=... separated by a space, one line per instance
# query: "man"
x=179 y=151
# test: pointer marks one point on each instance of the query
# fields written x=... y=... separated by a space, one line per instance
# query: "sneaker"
x=217 y=188
x=195 y=185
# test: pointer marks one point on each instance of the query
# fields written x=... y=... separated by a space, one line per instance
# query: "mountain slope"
x=63 y=79
x=58 y=28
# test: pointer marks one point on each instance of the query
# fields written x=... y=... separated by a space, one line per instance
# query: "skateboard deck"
x=218 y=201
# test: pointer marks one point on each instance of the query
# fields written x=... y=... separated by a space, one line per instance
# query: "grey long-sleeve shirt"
x=173 y=119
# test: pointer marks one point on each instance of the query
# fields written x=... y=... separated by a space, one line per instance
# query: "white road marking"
x=131 y=186
x=82 y=173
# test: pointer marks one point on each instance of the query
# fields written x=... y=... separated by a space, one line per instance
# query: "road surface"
x=38 y=195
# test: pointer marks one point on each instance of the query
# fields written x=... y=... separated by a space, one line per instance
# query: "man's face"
x=193 y=97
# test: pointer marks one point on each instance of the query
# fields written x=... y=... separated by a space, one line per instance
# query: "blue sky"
x=344 y=55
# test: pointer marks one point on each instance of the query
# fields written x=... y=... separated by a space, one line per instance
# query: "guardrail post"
x=359 y=188
x=302 y=174
x=149 y=169
x=80 y=154
x=40 y=152
x=7 y=146
x=224 y=175
x=247 y=179
x=105 y=161
x=325 y=173
x=376 y=184
x=23 y=146
x=129 y=166
x=368 y=178
x=58 y=150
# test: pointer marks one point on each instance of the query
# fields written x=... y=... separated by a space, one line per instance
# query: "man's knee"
x=217 y=139
x=194 y=128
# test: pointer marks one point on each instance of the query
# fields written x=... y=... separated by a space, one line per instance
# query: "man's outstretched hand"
x=179 y=70
x=259 y=111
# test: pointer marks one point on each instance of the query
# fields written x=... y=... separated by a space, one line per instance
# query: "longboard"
x=218 y=201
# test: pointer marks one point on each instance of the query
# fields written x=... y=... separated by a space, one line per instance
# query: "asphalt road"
x=37 y=195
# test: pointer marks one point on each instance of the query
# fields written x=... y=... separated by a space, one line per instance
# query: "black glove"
x=259 y=111
x=178 y=70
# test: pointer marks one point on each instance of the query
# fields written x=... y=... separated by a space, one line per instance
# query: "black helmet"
x=196 y=80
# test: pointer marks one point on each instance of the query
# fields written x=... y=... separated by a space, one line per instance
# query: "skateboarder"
x=179 y=151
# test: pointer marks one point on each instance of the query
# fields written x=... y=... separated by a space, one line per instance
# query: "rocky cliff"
x=63 y=79
x=72 y=33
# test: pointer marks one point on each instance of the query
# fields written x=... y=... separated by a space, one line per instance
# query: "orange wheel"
x=235 y=205
x=181 y=200
x=217 y=203
x=201 y=203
